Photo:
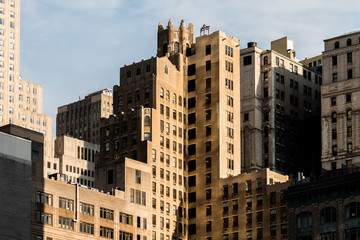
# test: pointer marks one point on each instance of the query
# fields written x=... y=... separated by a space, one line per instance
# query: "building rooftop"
x=342 y=35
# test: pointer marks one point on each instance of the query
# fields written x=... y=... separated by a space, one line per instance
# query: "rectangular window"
x=191 y=69
x=109 y=233
x=247 y=60
x=191 y=85
x=44 y=218
x=67 y=204
x=207 y=49
x=208 y=65
x=334 y=60
x=87 y=228
x=107 y=213
x=66 y=223
x=86 y=209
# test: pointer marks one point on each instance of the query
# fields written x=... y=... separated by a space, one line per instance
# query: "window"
x=66 y=223
x=191 y=69
x=208 y=83
x=86 y=209
x=328 y=215
x=247 y=60
x=348 y=114
x=109 y=233
x=44 y=218
x=208 y=65
x=161 y=92
x=348 y=42
x=106 y=213
x=191 y=85
x=44 y=198
x=334 y=77
x=348 y=98
x=349 y=73
x=334 y=60
x=336 y=45
x=208 y=114
x=87 y=228
x=176 y=47
x=167 y=95
x=67 y=204
x=138 y=176
x=333 y=101
x=349 y=57
x=246 y=117
x=208 y=194
x=207 y=49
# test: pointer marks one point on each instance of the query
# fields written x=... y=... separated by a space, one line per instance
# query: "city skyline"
x=113 y=34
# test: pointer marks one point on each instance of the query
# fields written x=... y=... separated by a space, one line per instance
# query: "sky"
x=75 y=47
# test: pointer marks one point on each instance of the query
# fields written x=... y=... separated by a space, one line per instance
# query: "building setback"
x=81 y=119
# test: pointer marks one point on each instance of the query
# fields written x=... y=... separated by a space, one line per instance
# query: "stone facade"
x=280 y=107
x=340 y=105
x=81 y=119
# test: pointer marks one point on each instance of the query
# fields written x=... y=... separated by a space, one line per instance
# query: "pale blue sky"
x=75 y=47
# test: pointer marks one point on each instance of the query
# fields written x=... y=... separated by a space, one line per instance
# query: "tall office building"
x=179 y=112
x=81 y=119
x=20 y=100
x=340 y=104
x=280 y=107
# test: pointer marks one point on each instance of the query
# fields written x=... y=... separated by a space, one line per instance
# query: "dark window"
x=128 y=74
x=348 y=98
x=337 y=45
x=208 y=146
x=192 y=212
x=192 y=181
x=266 y=92
x=208 y=49
x=192 y=102
x=191 y=165
x=247 y=60
x=191 y=85
x=208 y=65
x=208 y=130
x=208 y=114
x=192 y=149
x=192 y=197
x=208 y=83
x=349 y=57
x=208 y=162
x=208 y=194
x=138 y=71
x=207 y=99
x=333 y=117
x=192 y=134
x=110 y=176
x=246 y=117
x=334 y=60
x=348 y=42
x=333 y=101
x=191 y=69
x=191 y=118
x=349 y=74
x=208 y=178
x=192 y=229
x=129 y=98
x=147 y=68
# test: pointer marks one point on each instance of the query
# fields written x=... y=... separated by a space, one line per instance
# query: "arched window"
x=120 y=100
x=176 y=47
x=147 y=121
x=174 y=98
x=337 y=45
x=129 y=98
x=128 y=74
x=165 y=49
x=348 y=42
x=328 y=215
x=266 y=60
x=348 y=114
x=148 y=68
x=161 y=92
x=147 y=92
x=167 y=95
x=333 y=117
x=138 y=71
x=180 y=101
x=352 y=210
x=166 y=70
